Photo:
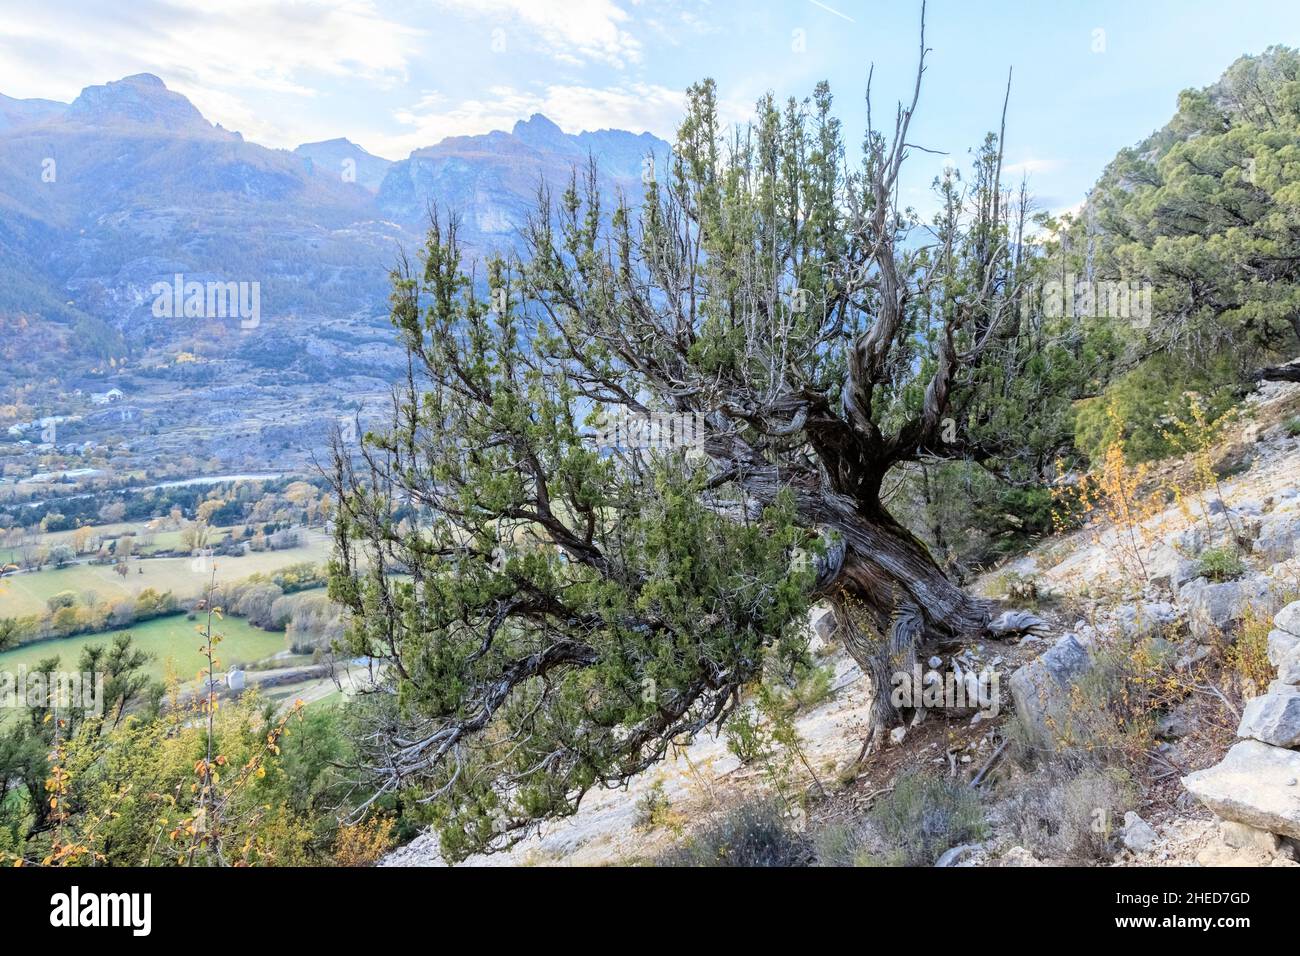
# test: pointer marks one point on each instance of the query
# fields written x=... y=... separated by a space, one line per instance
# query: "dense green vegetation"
x=775 y=298
x=147 y=780
x=1205 y=211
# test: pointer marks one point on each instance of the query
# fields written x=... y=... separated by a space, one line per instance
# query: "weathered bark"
x=890 y=598
x=892 y=602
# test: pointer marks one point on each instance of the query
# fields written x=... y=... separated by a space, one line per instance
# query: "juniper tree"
x=553 y=615
x=1203 y=210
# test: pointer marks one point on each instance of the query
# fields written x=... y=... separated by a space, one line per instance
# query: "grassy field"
x=172 y=641
x=27 y=593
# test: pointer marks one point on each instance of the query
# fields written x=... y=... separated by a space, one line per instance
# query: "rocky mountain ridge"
x=129 y=185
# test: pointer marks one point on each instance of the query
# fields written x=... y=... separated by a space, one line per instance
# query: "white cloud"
x=201 y=44
x=571 y=31
x=636 y=107
x=1028 y=167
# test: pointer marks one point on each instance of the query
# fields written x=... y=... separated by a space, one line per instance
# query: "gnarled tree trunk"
x=891 y=602
x=1289 y=372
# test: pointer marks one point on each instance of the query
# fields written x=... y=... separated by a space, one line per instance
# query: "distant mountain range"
x=129 y=186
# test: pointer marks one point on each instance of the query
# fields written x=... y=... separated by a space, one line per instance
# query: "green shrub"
x=925 y=815
x=1220 y=564
x=746 y=736
x=843 y=844
x=655 y=811
x=1145 y=400
x=752 y=834
x=1069 y=813
x=1293 y=427
x=812 y=685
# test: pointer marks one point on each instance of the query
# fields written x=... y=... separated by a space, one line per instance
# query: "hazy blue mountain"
x=24 y=112
x=129 y=185
x=342 y=158
x=139 y=100
x=492 y=179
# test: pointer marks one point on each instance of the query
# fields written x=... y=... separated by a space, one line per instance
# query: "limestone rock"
x=1242 y=836
x=1019 y=856
x=1137 y=834
x=823 y=623
x=1144 y=620
x=1170 y=570
x=1288 y=671
x=1272 y=719
x=1250 y=785
x=1041 y=689
x=1281 y=645
x=1214 y=608
x=1288 y=619
x=957 y=855
x=1279 y=537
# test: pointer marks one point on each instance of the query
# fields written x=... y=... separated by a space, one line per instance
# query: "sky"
x=393 y=75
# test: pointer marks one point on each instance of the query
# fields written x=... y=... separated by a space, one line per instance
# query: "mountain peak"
x=538 y=129
x=144 y=79
x=141 y=99
x=336 y=141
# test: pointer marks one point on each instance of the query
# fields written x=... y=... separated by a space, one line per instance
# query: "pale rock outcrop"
x=1213 y=608
x=1288 y=619
x=1272 y=719
x=1279 y=537
x=1146 y=619
x=1041 y=689
x=1255 y=784
x=1169 y=569
x=1137 y=834
x=1258 y=783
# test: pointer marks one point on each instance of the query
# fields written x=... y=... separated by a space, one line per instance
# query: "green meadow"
x=172 y=641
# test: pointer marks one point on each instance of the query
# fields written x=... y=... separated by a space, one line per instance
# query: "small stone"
x=1241 y=836
x=1188 y=661
x=1137 y=834
x=897 y=734
x=936 y=662
x=1172 y=727
x=1019 y=856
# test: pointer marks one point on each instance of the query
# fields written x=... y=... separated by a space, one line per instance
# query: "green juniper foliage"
x=1204 y=211
x=561 y=615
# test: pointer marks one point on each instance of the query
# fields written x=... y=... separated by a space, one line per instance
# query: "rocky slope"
x=1087 y=590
